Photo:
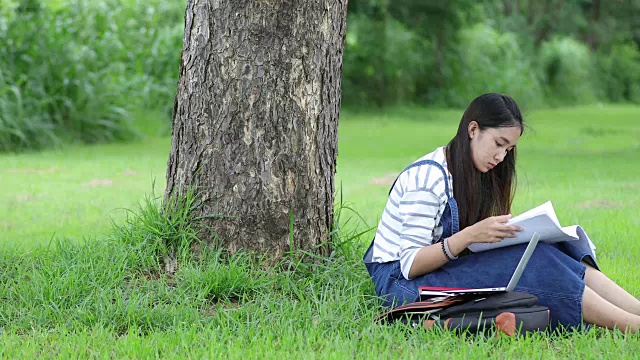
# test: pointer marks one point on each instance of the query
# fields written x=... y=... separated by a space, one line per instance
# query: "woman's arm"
x=431 y=257
x=489 y=230
x=417 y=214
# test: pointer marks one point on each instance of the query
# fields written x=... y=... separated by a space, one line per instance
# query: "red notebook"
x=430 y=291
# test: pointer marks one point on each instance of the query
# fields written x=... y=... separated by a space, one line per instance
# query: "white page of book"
x=543 y=220
x=549 y=231
x=546 y=208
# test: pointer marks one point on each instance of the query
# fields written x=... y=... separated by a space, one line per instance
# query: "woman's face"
x=490 y=146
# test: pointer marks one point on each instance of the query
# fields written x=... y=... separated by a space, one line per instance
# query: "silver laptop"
x=524 y=260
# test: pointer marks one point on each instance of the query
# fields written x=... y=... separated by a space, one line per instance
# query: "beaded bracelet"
x=447 y=252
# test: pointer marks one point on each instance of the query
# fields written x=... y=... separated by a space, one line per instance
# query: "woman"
x=461 y=194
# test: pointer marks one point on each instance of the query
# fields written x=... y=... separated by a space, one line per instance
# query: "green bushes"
x=59 y=79
x=485 y=60
x=619 y=72
x=72 y=73
x=387 y=63
x=568 y=68
x=72 y=70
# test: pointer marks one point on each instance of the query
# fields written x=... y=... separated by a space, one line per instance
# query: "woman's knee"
x=546 y=247
x=548 y=253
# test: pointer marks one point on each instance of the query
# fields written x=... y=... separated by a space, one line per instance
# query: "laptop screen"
x=523 y=262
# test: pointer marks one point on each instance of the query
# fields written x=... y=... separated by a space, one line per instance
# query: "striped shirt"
x=412 y=215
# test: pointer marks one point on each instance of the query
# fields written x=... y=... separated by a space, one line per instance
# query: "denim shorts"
x=554 y=274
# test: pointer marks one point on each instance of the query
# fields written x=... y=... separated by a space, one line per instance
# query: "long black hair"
x=480 y=195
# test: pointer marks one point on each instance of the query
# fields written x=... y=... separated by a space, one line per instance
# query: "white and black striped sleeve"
x=419 y=210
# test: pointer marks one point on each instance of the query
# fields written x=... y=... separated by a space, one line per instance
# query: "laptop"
x=430 y=291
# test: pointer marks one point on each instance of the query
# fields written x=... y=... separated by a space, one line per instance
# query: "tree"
x=255 y=120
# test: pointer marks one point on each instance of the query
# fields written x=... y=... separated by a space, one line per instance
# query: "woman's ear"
x=473 y=129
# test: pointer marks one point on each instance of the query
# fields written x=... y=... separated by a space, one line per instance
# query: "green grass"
x=100 y=291
x=73 y=192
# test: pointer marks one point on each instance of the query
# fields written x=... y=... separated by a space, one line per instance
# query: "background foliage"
x=73 y=70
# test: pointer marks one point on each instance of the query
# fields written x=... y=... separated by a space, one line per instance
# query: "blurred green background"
x=80 y=71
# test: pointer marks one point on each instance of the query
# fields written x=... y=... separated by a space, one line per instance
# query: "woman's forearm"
x=431 y=257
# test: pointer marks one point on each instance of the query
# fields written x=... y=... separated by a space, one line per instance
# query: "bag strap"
x=492 y=302
x=420 y=307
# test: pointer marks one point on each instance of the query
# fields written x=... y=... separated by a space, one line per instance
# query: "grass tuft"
x=162 y=234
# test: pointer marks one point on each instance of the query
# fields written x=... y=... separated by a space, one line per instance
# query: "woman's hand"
x=491 y=230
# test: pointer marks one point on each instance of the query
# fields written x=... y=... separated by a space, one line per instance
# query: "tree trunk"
x=507 y=7
x=531 y=14
x=543 y=30
x=255 y=120
x=594 y=23
x=439 y=47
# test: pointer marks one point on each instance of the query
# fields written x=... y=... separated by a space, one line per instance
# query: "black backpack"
x=510 y=313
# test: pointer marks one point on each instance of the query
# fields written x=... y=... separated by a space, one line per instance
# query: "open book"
x=543 y=220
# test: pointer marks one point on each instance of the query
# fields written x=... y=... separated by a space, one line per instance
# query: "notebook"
x=430 y=291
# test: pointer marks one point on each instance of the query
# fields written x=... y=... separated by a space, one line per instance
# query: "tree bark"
x=531 y=14
x=543 y=30
x=594 y=23
x=255 y=121
x=439 y=47
x=507 y=7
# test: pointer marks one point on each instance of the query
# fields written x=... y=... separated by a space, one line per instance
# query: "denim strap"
x=453 y=206
x=427 y=162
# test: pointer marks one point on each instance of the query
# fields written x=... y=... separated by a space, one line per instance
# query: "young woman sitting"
x=461 y=194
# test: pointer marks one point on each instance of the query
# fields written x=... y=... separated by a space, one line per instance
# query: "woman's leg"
x=598 y=311
x=611 y=291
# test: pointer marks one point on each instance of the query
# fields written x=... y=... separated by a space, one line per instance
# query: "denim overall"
x=382 y=271
x=554 y=274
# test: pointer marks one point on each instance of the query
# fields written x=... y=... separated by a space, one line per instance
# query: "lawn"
x=89 y=296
